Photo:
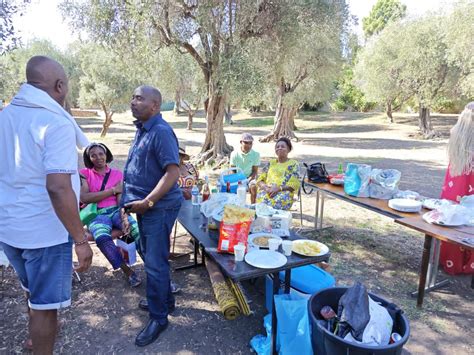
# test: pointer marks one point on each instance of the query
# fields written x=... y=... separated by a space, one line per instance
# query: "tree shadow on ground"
x=441 y=123
x=344 y=129
x=335 y=116
x=367 y=143
x=104 y=313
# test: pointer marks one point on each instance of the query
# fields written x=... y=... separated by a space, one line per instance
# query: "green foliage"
x=303 y=58
x=105 y=81
x=379 y=66
x=459 y=30
x=8 y=37
x=13 y=66
x=430 y=63
x=382 y=13
x=349 y=97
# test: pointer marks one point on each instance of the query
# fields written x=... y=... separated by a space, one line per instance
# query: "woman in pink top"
x=459 y=182
x=103 y=185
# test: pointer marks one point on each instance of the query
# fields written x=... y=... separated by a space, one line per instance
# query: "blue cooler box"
x=305 y=281
x=233 y=176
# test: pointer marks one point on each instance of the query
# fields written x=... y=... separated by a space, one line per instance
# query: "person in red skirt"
x=459 y=182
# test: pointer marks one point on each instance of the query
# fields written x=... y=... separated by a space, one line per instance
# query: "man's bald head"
x=48 y=75
x=146 y=102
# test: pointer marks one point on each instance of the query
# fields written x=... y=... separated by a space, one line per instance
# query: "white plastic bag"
x=379 y=328
x=384 y=183
x=216 y=203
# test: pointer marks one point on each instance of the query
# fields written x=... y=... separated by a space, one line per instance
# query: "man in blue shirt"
x=150 y=191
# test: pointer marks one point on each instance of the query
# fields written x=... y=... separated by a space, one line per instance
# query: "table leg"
x=287 y=280
x=424 y=268
x=433 y=266
x=322 y=211
x=316 y=211
x=195 y=261
x=276 y=288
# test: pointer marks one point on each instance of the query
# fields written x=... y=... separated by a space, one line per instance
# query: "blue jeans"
x=155 y=229
x=46 y=273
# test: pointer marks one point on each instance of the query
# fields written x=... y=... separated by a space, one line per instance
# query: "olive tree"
x=378 y=70
x=105 y=82
x=209 y=31
x=302 y=60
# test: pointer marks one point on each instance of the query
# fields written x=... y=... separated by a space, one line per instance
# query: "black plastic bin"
x=325 y=342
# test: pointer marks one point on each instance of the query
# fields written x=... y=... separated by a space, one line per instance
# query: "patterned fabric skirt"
x=283 y=200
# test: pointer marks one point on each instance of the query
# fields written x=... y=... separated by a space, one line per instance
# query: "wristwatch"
x=150 y=203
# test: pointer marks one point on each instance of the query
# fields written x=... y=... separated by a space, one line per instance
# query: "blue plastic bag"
x=261 y=344
x=293 y=332
x=357 y=179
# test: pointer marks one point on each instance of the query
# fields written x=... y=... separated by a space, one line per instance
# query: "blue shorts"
x=46 y=273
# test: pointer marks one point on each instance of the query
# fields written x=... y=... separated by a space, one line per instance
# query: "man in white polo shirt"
x=39 y=190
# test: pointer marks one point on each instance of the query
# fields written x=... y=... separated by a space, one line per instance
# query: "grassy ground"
x=364 y=246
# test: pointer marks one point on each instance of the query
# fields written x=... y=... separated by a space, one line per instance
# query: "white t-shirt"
x=34 y=142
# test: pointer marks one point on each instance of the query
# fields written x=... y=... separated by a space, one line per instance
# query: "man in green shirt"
x=248 y=160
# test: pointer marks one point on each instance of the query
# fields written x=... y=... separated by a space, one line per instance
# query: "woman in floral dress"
x=280 y=179
x=459 y=182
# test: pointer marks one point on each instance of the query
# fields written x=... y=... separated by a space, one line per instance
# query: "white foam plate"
x=405 y=205
x=428 y=219
x=265 y=259
x=323 y=247
x=434 y=203
x=262 y=234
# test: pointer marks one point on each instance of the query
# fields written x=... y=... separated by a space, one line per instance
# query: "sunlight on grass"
x=254 y=122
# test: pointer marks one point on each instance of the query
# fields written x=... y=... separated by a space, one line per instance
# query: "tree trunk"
x=424 y=122
x=177 y=102
x=215 y=148
x=389 y=111
x=107 y=122
x=190 y=120
x=228 y=115
x=284 y=122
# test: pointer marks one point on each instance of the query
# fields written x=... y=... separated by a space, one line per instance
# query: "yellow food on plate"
x=235 y=214
x=308 y=248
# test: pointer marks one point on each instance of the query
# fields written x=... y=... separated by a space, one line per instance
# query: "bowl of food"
x=260 y=240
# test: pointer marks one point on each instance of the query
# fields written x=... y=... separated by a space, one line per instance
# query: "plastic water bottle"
x=242 y=193
x=195 y=195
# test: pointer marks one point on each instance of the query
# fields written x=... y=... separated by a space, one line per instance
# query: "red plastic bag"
x=231 y=235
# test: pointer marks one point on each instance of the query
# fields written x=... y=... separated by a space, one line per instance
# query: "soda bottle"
x=340 y=170
x=205 y=190
x=195 y=195
x=227 y=189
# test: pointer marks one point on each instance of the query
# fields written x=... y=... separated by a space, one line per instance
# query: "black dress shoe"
x=150 y=333
x=143 y=305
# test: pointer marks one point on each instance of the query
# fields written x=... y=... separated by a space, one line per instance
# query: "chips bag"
x=234 y=228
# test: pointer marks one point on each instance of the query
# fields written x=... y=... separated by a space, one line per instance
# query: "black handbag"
x=317 y=172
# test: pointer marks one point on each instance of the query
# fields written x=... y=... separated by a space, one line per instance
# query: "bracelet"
x=84 y=241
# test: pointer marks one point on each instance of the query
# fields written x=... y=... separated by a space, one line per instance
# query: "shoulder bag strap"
x=104 y=182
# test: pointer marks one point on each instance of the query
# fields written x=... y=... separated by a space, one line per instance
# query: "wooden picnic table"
x=433 y=233
x=195 y=224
